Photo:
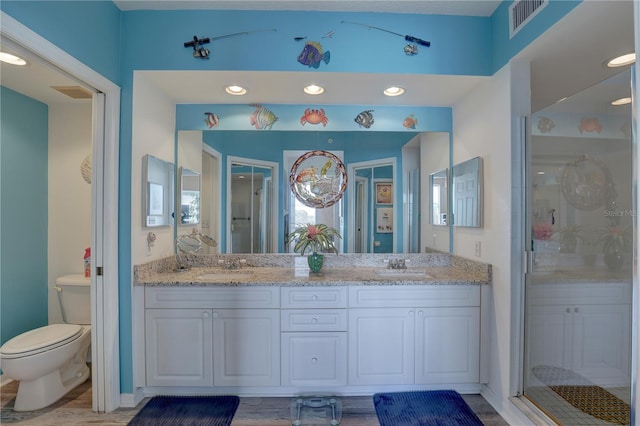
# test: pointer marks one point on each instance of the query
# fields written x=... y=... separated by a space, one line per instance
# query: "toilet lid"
x=40 y=339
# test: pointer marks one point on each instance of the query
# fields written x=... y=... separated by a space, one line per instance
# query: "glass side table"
x=316 y=410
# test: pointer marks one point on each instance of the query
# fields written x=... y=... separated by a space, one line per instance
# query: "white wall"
x=153 y=132
x=483 y=126
x=434 y=156
x=69 y=230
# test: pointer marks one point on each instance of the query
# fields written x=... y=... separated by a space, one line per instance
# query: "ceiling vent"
x=75 y=92
x=521 y=12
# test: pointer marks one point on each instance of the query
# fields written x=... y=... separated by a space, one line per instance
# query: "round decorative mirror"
x=318 y=179
x=586 y=183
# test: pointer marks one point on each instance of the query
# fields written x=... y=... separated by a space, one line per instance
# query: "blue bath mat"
x=424 y=408
x=187 y=410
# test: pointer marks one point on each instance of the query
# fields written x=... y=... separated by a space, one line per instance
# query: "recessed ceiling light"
x=235 y=90
x=621 y=101
x=622 y=60
x=393 y=91
x=313 y=89
x=11 y=59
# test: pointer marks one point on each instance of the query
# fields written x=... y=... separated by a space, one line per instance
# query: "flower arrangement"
x=319 y=238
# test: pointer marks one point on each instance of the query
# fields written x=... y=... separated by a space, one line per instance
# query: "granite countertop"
x=329 y=276
x=291 y=270
x=580 y=274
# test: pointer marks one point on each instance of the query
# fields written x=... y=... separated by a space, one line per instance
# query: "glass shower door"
x=579 y=281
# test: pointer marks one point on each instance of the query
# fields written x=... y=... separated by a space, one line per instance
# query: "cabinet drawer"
x=314 y=359
x=210 y=297
x=426 y=296
x=313 y=320
x=313 y=297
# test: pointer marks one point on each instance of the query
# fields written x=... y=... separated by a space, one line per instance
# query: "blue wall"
x=23 y=213
x=116 y=43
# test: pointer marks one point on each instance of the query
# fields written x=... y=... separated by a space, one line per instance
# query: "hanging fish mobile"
x=410 y=49
x=199 y=51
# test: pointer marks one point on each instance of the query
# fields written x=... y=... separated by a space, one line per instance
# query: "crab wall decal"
x=314 y=116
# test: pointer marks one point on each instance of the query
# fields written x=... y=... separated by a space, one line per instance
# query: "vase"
x=614 y=256
x=315 y=261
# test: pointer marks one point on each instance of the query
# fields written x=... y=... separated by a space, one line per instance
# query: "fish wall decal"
x=312 y=55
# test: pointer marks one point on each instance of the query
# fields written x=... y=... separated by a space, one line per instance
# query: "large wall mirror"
x=157 y=192
x=257 y=207
x=467 y=193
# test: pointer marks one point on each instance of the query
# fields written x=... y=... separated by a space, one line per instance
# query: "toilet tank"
x=74 y=295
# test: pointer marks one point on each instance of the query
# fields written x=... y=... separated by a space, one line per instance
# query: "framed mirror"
x=157 y=192
x=439 y=198
x=466 y=193
x=189 y=197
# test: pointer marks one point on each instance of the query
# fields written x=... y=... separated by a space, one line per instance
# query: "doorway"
x=103 y=145
x=578 y=289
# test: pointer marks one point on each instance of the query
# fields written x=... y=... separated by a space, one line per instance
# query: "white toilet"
x=52 y=360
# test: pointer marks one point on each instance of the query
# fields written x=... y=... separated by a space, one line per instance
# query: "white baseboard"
x=131 y=400
x=4 y=380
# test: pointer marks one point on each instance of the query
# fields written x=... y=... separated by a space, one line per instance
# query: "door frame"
x=104 y=204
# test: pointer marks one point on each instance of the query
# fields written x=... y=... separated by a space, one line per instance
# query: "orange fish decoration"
x=410 y=122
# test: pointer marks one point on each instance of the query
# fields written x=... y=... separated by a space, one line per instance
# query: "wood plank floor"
x=75 y=409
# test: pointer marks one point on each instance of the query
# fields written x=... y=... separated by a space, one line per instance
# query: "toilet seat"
x=40 y=340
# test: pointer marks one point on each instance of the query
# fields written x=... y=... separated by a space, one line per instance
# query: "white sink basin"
x=225 y=275
x=403 y=273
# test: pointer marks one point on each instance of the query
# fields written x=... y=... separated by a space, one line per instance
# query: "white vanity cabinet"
x=314 y=336
x=583 y=327
x=212 y=336
x=401 y=335
x=179 y=345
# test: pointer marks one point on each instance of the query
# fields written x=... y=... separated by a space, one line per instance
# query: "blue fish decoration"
x=312 y=55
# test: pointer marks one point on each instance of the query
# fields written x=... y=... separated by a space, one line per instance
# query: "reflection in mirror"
x=252 y=212
x=467 y=193
x=372 y=219
x=157 y=192
x=189 y=197
x=282 y=148
x=439 y=197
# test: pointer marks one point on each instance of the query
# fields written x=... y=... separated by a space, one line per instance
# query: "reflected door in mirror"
x=157 y=192
x=467 y=193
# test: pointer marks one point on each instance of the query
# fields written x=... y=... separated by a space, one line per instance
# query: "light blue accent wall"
x=23 y=213
x=87 y=30
x=504 y=48
x=116 y=43
x=460 y=45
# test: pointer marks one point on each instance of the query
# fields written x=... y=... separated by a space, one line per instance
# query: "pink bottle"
x=87 y=262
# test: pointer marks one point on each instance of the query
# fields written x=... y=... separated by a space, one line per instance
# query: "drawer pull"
x=314 y=360
x=215 y=315
x=205 y=315
x=314 y=297
x=314 y=320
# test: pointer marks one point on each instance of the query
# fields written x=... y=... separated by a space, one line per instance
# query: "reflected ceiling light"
x=11 y=59
x=235 y=90
x=313 y=89
x=621 y=101
x=622 y=60
x=393 y=91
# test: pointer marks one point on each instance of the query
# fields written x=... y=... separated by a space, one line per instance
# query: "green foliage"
x=319 y=238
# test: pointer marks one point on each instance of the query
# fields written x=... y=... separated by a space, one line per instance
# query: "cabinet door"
x=448 y=345
x=549 y=341
x=381 y=346
x=179 y=347
x=314 y=359
x=246 y=347
x=601 y=335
